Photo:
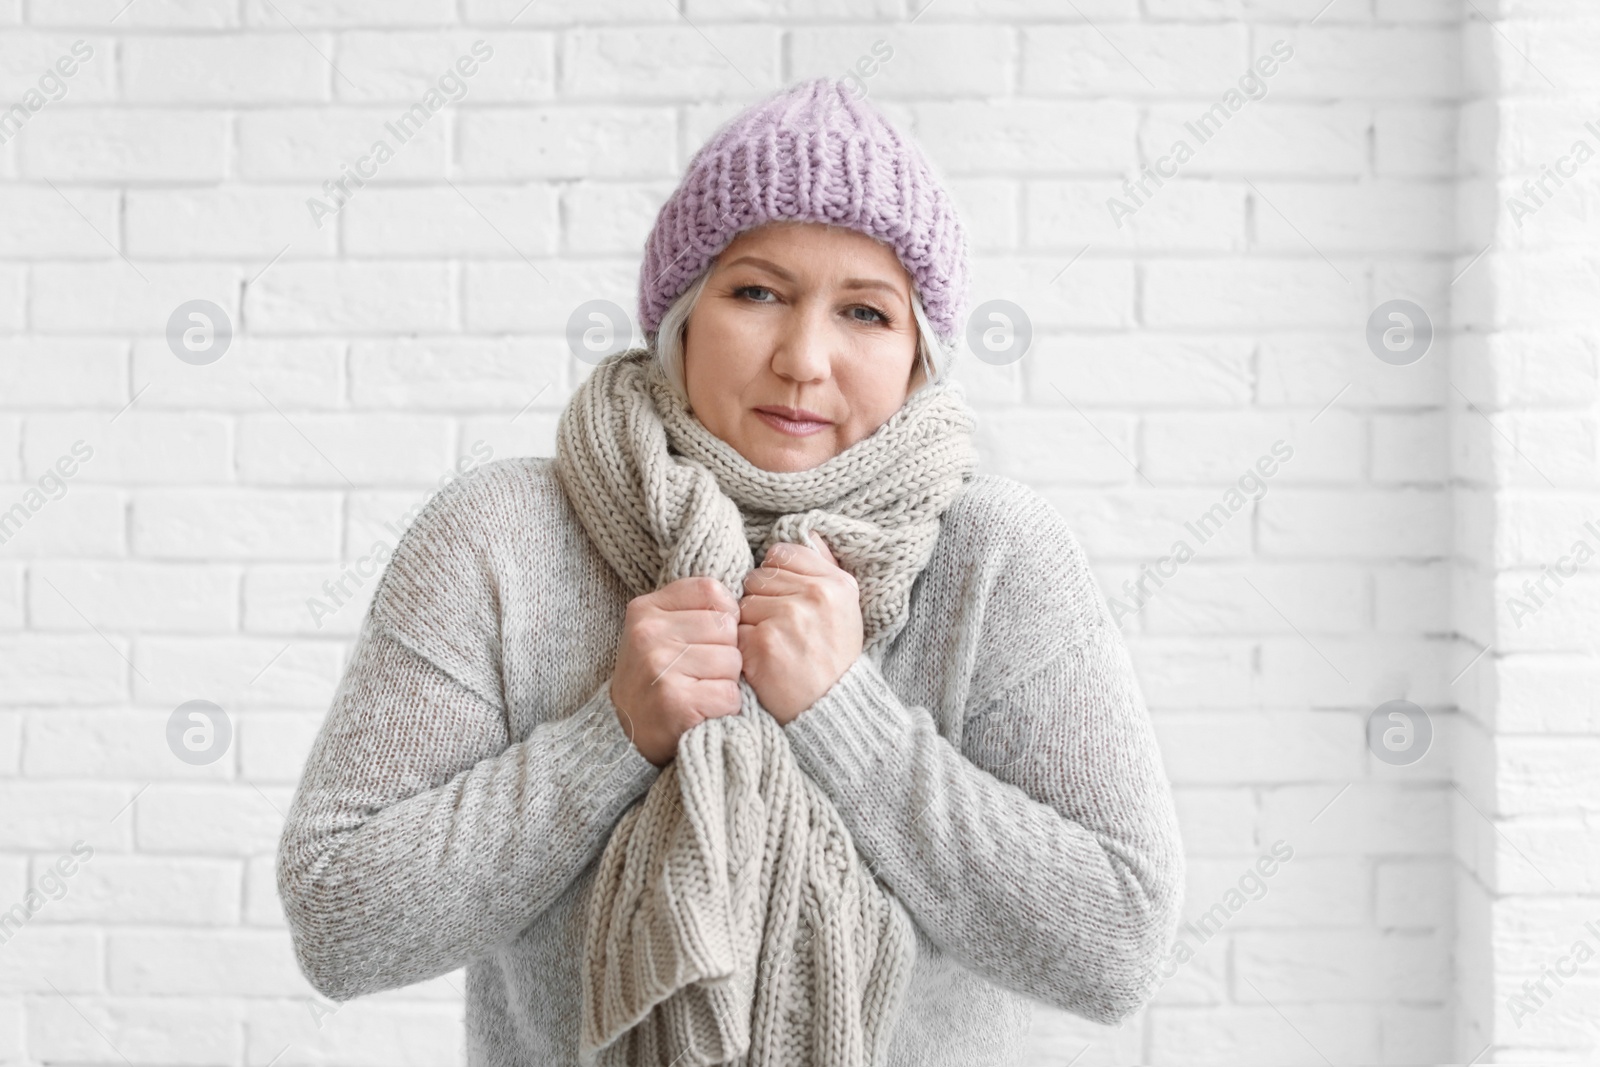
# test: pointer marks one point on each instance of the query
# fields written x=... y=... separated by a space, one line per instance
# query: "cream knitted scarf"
x=732 y=921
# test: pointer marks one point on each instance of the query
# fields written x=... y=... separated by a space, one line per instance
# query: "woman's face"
x=801 y=316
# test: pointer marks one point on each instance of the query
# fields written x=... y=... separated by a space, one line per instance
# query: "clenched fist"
x=678 y=664
x=799 y=626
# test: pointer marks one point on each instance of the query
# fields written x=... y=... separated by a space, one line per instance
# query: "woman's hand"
x=678 y=664
x=799 y=627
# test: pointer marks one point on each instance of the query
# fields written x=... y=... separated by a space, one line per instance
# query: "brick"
x=1420 y=63
x=1137 y=60
x=144 y=447
x=967 y=137
x=1251 y=293
x=360 y=297
x=1217 y=748
x=293 y=373
x=239 y=672
x=126 y=144
x=167 y=14
x=349 y=13
x=40 y=667
x=564 y=141
x=1142 y=523
x=1146 y=370
x=1243 y=446
x=185 y=963
x=160 y=890
x=337 y=450
x=1300 y=892
x=1254 y=1032
x=46 y=223
x=38 y=957
x=49 y=372
x=1412 y=893
x=1215 y=821
x=1405 y=523
x=673 y=62
x=1409 y=217
x=454 y=372
x=1414 y=141
x=1044 y=447
x=1055 y=291
x=477 y=221
x=245 y=524
x=1352 y=964
x=1185 y=674
x=31 y=60
x=185 y=1033
x=917 y=61
x=232 y=820
x=1365 y=819
x=293 y=600
x=231 y=221
x=128 y=595
x=367 y=1032
x=1179 y=214
x=85 y=521
x=404 y=66
x=1411 y=448
x=1273 y=137
x=1217 y=598
x=310 y=144
x=498 y=294
x=125 y=303
x=254 y=67
x=273 y=747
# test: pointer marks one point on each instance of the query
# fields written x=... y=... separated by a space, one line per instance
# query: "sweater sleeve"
x=421 y=835
x=1044 y=854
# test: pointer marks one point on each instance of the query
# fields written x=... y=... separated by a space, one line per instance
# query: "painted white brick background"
x=426 y=320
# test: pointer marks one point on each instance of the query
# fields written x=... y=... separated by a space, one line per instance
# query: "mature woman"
x=855 y=804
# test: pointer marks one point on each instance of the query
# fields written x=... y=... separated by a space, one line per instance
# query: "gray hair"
x=666 y=343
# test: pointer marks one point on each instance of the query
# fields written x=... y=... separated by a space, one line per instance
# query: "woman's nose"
x=804 y=350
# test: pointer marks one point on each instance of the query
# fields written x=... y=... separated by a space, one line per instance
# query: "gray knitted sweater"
x=999 y=773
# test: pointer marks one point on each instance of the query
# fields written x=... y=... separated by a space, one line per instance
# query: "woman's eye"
x=746 y=290
x=872 y=314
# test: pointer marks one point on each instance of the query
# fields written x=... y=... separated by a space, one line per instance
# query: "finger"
x=801 y=559
x=821 y=546
x=703 y=662
x=758 y=609
x=773 y=581
x=702 y=626
x=700 y=591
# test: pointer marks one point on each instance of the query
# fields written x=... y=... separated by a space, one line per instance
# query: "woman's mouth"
x=793 y=421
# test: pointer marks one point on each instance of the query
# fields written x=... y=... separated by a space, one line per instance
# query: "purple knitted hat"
x=811 y=153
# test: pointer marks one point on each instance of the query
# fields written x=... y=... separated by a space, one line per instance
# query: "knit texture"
x=997 y=769
x=815 y=152
x=732 y=920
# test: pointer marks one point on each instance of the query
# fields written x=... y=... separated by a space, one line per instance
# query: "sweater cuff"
x=595 y=761
x=845 y=734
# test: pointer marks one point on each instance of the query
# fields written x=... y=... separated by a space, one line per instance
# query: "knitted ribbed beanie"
x=811 y=153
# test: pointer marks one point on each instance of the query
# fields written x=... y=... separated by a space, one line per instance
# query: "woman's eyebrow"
x=848 y=283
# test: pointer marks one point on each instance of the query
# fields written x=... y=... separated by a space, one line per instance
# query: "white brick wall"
x=373 y=353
